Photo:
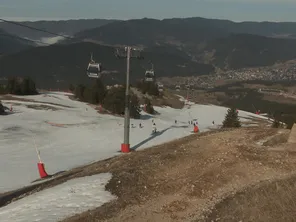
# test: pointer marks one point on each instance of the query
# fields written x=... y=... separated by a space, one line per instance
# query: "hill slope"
x=222 y=43
x=70 y=27
x=189 y=30
x=58 y=65
x=176 y=46
x=244 y=50
x=12 y=44
x=149 y=32
x=66 y=27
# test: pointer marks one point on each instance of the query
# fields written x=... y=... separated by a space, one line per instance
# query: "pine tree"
x=148 y=87
x=71 y=87
x=2 y=109
x=115 y=102
x=135 y=107
x=149 y=107
x=21 y=86
x=231 y=119
x=276 y=123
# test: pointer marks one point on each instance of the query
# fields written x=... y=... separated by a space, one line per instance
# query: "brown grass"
x=169 y=99
x=277 y=139
x=267 y=201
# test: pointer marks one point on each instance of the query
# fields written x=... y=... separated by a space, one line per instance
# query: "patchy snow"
x=77 y=134
x=57 y=203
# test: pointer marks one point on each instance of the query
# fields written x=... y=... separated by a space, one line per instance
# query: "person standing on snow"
x=154 y=128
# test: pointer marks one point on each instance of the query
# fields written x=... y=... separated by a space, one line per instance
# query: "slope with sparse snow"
x=59 y=202
x=75 y=134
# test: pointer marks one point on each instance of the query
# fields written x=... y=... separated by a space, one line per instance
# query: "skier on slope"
x=154 y=128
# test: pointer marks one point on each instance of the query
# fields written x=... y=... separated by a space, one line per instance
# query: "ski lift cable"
x=36 y=29
x=96 y=75
x=48 y=32
x=23 y=39
x=53 y=33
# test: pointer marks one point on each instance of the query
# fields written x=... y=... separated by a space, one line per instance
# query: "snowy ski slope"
x=59 y=202
x=83 y=135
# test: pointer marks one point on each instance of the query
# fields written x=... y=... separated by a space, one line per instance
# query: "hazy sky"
x=237 y=10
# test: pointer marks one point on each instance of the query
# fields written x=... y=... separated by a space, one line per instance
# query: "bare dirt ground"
x=214 y=176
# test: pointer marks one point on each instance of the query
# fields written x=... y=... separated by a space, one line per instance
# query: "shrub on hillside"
x=251 y=98
x=94 y=94
x=71 y=88
x=2 y=109
x=276 y=123
x=149 y=107
x=21 y=86
x=135 y=107
x=115 y=102
x=231 y=119
x=148 y=87
x=78 y=92
x=3 y=89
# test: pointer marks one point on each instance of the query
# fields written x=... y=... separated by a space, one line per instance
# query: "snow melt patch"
x=72 y=197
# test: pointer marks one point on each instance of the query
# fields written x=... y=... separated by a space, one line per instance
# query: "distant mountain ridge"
x=65 y=27
x=149 y=31
x=71 y=27
x=177 y=47
x=58 y=65
x=13 y=44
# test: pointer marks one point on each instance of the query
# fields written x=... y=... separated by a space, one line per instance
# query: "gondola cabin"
x=149 y=76
x=160 y=87
x=94 y=70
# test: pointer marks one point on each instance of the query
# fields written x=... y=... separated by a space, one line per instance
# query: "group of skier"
x=154 y=129
x=193 y=122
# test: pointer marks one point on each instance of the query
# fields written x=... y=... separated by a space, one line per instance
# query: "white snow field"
x=83 y=135
x=57 y=203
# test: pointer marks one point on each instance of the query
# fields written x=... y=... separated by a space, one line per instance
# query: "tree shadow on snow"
x=146 y=117
x=149 y=116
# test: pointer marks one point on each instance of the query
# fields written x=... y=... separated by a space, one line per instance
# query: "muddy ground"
x=196 y=178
